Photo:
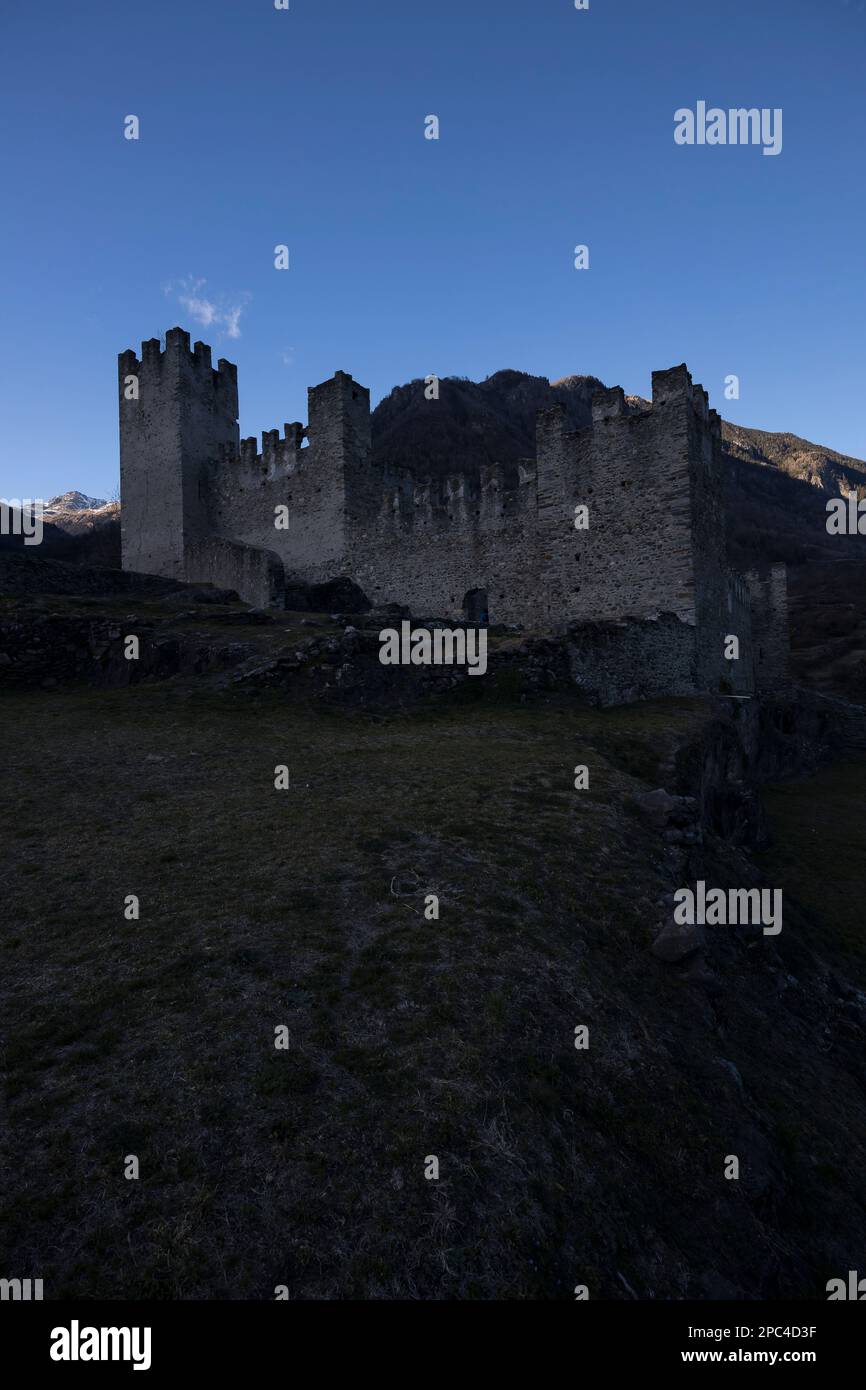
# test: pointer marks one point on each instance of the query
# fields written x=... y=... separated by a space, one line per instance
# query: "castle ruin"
x=647 y=577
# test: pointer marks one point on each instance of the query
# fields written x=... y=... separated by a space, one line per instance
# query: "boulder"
x=657 y=806
x=675 y=942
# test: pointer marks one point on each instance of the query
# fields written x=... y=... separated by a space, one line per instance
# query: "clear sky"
x=409 y=256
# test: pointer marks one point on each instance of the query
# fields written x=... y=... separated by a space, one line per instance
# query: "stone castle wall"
x=429 y=545
x=632 y=659
x=309 y=473
x=200 y=504
x=632 y=470
x=769 y=608
x=513 y=534
x=175 y=411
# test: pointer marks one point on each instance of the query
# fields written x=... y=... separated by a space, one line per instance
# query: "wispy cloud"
x=222 y=312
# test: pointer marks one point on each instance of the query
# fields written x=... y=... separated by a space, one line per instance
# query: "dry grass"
x=409 y=1038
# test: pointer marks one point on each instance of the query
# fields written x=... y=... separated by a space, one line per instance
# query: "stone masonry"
x=200 y=504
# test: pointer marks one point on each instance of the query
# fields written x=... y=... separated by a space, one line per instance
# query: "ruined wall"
x=615 y=663
x=185 y=477
x=510 y=533
x=559 y=545
x=514 y=533
x=769 y=602
x=185 y=414
x=632 y=470
x=255 y=573
x=429 y=544
x=516 y=537
x=245 y=487
x=198 y=504
x=721 y=602
x=733 y=677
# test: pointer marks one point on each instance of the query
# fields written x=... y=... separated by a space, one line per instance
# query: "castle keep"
x=647 y=578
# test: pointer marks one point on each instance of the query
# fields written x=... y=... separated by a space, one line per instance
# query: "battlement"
x=552 y=423
x=338 y=399
x=621 y=519
x=278 y=457
x=672 y=386
x=608 y=405
x=177 y=354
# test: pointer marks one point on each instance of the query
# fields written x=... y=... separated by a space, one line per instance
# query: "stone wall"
x=769 y=604
x=313 y=483
x=428 y=545
x=185 y=414
x=737 y=676
x=200 y=504
x=616 y=663
x=632 y=470
x=255 y=573
x=719 y=599
x=513 y=533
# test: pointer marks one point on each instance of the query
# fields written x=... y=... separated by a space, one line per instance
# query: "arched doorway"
x=475 y=606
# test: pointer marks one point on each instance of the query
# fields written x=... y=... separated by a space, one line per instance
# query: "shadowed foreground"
x=409 y=1037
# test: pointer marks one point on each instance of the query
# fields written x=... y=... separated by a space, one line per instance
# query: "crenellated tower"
x=200 y=505
x=177 y=415
x=308 y=505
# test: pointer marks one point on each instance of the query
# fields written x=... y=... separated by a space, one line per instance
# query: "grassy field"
x=409 y=1038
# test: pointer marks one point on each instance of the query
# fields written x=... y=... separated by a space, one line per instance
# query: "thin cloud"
x=221 y=313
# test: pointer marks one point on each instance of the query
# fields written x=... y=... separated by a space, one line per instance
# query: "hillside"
x=811 y=463
x=777 y=491
x=472 y=423
x=408 y=1037
x=73 y=531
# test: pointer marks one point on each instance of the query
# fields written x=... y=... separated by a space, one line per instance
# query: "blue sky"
x=411 y=256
